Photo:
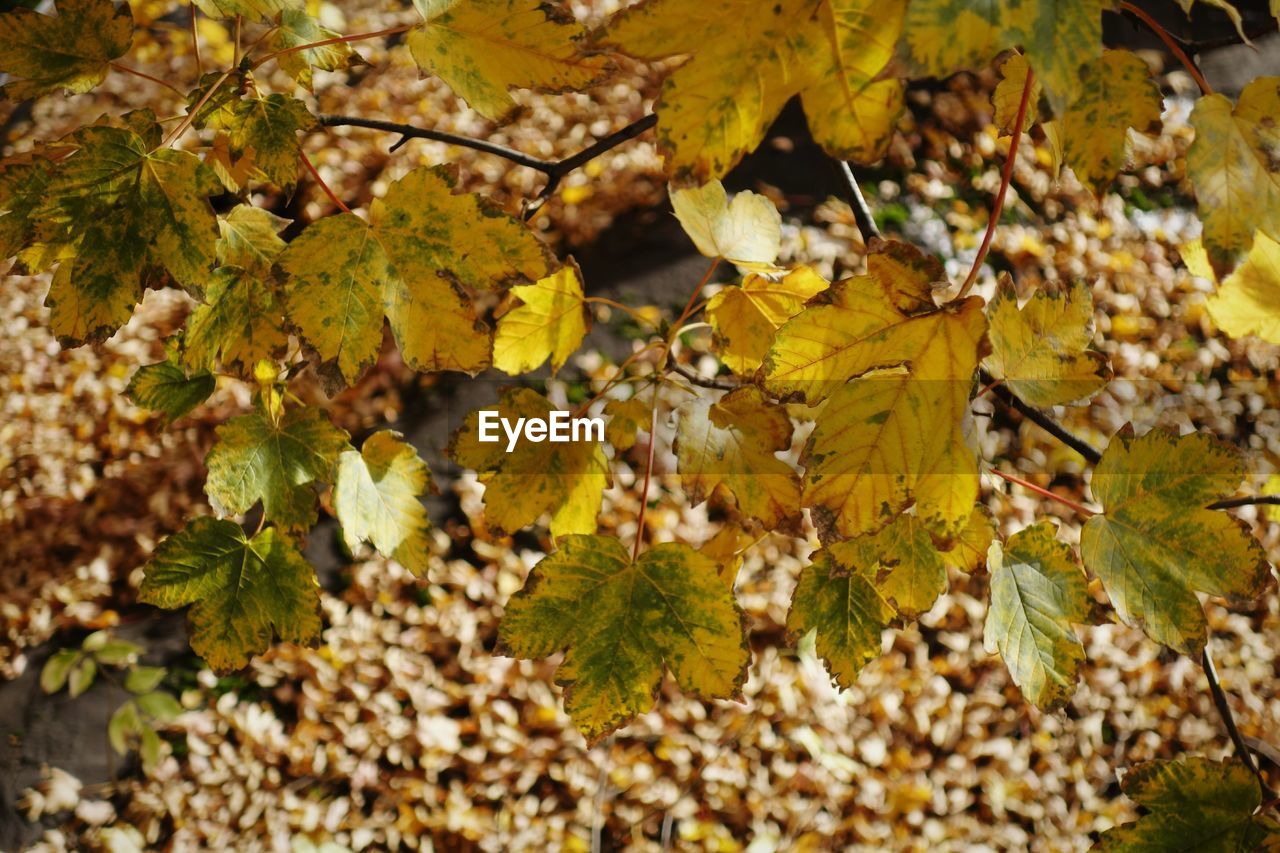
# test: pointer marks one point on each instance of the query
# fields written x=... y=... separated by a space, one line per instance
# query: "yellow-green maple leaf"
x=716 y=106
x=483 y=48
x=745 y=319
x=1192 y=803
x=376 y=496
x=852 y=590
x=626 y=419
x=622 y=623
x=1037 y=591
x=297 y=28
x=1248 y=301
x=276 y=461
x=71 y=50
x=262 y=128
x=253 y=10
x=249 y=237
x=23 y=183
x=1157 y=544
x=243 y=591
x=410 y=262
x=165 y=387
x=731 y=444
x=746 y=231
x=565 y=479
x=1235 y=171
x=1116 y=93
x=1041 y=352
x=967 y=550
x=240 y=322
x=551 y=323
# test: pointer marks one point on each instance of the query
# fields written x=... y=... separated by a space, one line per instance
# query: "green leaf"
x=165 y=387
x=622 y=623
x=1117 y=92
x=71 y=51
x=1157 y=544
x=1037 y=591
x=269 y=127
x=152 y=748
x=56 y=669
x=377 y=498
x=82 y=676
x=240 y=323
x=253 y=10
x=159 y=706
x=23 y=183
x=123 y=723
x=242 y=590
x=410 y=263
x=249 y=237
x=1192 y=804
x=117 y=653
x=257 y=458
x=143 y=679
x=297 y=28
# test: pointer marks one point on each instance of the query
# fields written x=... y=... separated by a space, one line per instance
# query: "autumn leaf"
x=240 y=323
x=253 y=10
x=1007 y=96
x=1041 y=352
x=551 y=323
x=264 y=128
x=409 y=263
x=166 y=388
x=1157 y=544
x=565 y=479
x=967 y=551
x=731 y=445
x=1234 y=170
x=249 y=237
x=1228 y=8
x=746 y=231
x=23 y=184
x=243 y=591
x=297 y=28
x=717 y=105
x=483 y=48
x=1037 y=591
x=258 y=458
x=376 y=495
x=744 y=319
x=1191 y=803
x=71 y=51
x=1248 y=301
x=626 y=418
x=1116 y=93
x=622 y=623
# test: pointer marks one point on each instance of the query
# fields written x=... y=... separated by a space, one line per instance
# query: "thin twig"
x=1249 y=500
x=333 y=197
x=1006 y=178
x=136 y=73
x=1169 y=42
x=389 y=31
x=195 y=42
x=195 y=110
x=235 y=55
x=861 y=212
x=626 y=309
x=1003 y=394
x=1043 y=492
x=1229 y=720
x=689 y=374
x=648 y=473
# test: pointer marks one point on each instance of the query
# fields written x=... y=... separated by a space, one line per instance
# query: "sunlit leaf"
x=746 y=231
x=1116 y=93
x=745 y=319
x=551 y=323
x=1248 y=301
x=253 y=10
x=297 y=28
x=377 y=496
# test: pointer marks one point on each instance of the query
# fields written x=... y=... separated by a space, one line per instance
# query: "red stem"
x=1174 y=47
x=306 y=161
x=1040 y=490
x=648 y=476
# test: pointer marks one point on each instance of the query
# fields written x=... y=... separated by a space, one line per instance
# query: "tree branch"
x=861 y=212
x=1169 y=42
x=1040 y=419
x=696 y=379
x=1229 y=720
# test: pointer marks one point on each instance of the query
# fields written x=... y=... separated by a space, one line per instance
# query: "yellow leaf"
x=621 y=624
x=1007 y=96
x=376 y=495
x=564 y=479
x=717 y=106
x=1248 y=301
x=968 y=550
x=626 y=418
x=726 y=550
x=1116 y=93
x=71 y=51
x=746 y=231
x=1042 y=351
x=1196 y=259
x=482 y=48
x=1234 y=170
x=253 y=10
x=550 y=324
x=297 y=28
x=240 y=323
x=732 y=445
x=745 y=319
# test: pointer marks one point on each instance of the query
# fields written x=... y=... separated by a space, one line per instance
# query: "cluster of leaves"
x=884 y=364
x=148 y=706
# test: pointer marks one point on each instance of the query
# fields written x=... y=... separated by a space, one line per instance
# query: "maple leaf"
x=852 y=590
x=70 y=51
x=253 y=10
x=296 y=28
x=483 y=48
x=166 y=388
x=716 y=106
x=1248 y=301
x=1234 y=170
x=1116 y=93
x=746 y=231
x=1157 y=544
x=626 y=418
x=551 y=323
x=1007 y=96
x=1037 y=591
x=376 y=496
x=1192 y=803
x=1041 y=352
x=249 y=237
x=240 y=323
x=258 y=457
x=730 y=445
x=23 y=185
x=621 y=623
x=565 y=479
x=967 y=551
x=244 y=591
x=264 y=129
x=422 y=244
x=745 y=319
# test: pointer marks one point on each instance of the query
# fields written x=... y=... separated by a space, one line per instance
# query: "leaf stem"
x=1040 y=419
x=1006 y=178
x=626 y=309
x=195 y=41
x=693 y=298
x=1169 y=42
x=195 y=110
x=136 y=73
x=306 y=161
x=1040 y=490
x=235 y=55
x=648 y=474
x=617 y=377
x=861 y=212
x=1229 y=720
x=389 y=31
